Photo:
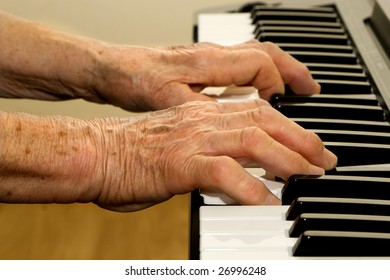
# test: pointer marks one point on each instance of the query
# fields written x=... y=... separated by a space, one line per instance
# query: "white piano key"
x=253 y=213
x=281 y=254
x=225 y=30
x=246 y=254
x=243 y=227
x=269 y=241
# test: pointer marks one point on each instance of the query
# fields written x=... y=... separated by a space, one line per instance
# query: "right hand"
x=201 y=145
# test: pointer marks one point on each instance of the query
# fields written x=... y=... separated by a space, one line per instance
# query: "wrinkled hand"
x=138 y=78
x=201 y=144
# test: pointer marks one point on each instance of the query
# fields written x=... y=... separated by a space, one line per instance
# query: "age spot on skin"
x=61 y=134
x=18 y=127
x=62 y=153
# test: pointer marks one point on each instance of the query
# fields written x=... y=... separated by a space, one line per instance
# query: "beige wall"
x=121 y=21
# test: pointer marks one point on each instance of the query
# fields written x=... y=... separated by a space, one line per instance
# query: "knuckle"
x=301 y=70
x=312 y=143
x=252 y=136
x=220 y=166
x=267 y=45
x=262 y=102
x=198 y=109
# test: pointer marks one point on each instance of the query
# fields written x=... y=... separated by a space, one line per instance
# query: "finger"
x=293 y=72
x=284 y=131
x=253 y=143
x=176 y=94
x=239 y=107
x=225 y=174
x=223 y=67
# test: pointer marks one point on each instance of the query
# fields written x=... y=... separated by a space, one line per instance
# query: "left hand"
x=140 y=78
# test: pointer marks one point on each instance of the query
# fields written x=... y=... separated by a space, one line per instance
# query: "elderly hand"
x=56 y=66
x=201 y=144
x=150 y=78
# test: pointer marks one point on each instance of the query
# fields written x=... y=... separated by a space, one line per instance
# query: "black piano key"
x=344 y=87
x=307 y=30
x=316 y=48
x=335 y=186
x=320 y=75
x=353 y=136
x=337 y=206
x=294 y=16
x=294 y=37
x=297 y=23
x=324 y=57
x=331 y=111
x=298 y=29
x=309 y=10
x=339 y=222
x=352 y=154
x=369 y=100
x=335 y=86
x=338 y=244
x=352 y=125
x=335 y=67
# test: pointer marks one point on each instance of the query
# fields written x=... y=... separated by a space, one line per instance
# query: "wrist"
x=47 y=159
x=127 y=76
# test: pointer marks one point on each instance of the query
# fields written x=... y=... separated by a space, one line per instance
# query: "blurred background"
x=84 y=231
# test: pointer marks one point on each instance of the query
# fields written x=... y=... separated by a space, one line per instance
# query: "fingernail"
x=331 y=159
x=315 y=170
x=271 y=199
x=318 y=88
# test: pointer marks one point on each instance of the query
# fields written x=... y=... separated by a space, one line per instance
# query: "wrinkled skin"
x=202 y=144
x=127 y=164
x=160 y=78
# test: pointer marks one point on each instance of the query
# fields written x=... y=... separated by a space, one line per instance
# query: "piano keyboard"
x=345 y=213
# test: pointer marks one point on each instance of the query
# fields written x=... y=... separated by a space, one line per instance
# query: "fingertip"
x=315 y=170
x=331 y=159
x=316 y=88
x=278 y=88
x=272 y=199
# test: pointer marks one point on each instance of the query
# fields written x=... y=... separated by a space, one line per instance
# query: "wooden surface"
x=84 y=231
